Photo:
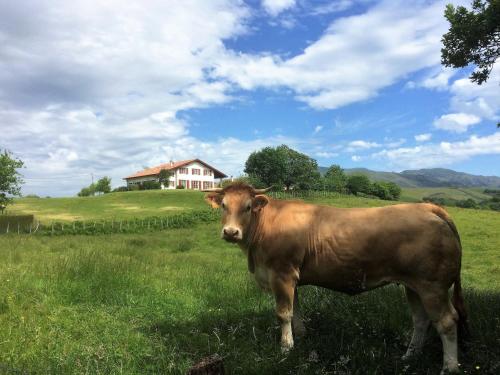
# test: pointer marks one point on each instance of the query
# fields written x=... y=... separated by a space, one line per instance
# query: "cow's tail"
x=458 y=298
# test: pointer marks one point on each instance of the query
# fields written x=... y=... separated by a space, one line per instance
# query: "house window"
x=183 y=171
x=195 y=171
x=195 y=184
x=207 y=172
x=208 y=184
x=183 y=183
x=171 y=183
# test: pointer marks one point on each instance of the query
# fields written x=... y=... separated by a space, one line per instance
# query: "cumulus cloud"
x=356 y=56
x=456 y=122
x=317 y=129
x=440 y=154
x=356 y=158
x=275 y=7
x=354 y=146
x=423 y=137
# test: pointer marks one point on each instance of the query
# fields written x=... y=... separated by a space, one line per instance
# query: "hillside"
x=435 y=177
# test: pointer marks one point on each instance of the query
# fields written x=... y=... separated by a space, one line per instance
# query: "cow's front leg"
x=283 y=290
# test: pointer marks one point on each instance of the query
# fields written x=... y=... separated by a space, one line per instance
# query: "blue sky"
x=108 y=89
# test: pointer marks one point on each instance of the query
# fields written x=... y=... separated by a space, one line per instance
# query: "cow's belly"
x=342 y=278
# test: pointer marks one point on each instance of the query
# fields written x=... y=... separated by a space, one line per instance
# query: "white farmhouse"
x=192 y=174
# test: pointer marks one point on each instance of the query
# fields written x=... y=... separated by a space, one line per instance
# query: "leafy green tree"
x=359 y=184
x=88 y=191
x=379 y=189
x=164 y=177
x=103 y=185
x=473 y=37
x=10 y=178
x=394 y=190
x=282 y=167
x=335 y=179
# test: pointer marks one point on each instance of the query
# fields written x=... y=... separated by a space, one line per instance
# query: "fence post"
x=7 y=230
x=120 y=225
x=18 y=227
x=52 y=227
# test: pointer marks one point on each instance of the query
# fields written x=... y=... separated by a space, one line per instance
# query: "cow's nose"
x=230 y=232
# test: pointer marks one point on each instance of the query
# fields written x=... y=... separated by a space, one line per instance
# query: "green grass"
x=416 y=194
x=158 y=302
x=122 y=205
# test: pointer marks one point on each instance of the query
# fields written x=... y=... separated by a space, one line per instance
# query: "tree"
x=282 y=167
x=103 y=185
x=335 y=179
x=473 y=38
x=359 y=184
x=10 y=178
x=88 y=191
x=164 y=177
x=394 y=190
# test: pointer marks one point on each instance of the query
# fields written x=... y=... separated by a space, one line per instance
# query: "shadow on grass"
x=366 y=334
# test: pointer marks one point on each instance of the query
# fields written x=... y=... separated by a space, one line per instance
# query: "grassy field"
x=416 y=194
x=126 y=205
x=158 y=302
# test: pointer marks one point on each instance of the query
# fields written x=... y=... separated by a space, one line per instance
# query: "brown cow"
x=291 y=243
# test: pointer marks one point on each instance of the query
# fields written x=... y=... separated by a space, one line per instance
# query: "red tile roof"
x=172 y=166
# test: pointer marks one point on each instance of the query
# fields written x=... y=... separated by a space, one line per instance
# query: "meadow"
x=416 y=194
x=127 y=205
x=158 y=302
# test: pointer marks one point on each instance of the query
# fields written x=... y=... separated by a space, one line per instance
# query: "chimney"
x=171 y=162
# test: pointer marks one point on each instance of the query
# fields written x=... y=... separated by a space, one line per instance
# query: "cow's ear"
x=259 y=202
x=214 y=199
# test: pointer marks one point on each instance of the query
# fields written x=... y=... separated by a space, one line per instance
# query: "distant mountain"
x=434 y=177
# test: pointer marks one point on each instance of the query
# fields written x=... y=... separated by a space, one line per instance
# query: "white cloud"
x=444 y=153
x=456 y=122
x=438 y=79
x=317 y=129
x=423 y=137
x=356 y=158
x=275 y=7
x=347 y=64
x=480 y=100
x=361 y=145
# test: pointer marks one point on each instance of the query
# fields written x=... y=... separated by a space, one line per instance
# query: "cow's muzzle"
x=232 y=234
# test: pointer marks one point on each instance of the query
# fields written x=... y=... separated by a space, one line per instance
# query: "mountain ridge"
x=427 y=177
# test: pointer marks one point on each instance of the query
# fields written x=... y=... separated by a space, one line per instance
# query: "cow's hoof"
x=286 y=347
x=450 y=370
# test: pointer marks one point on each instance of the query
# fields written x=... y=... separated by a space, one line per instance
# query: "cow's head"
x=239 y=202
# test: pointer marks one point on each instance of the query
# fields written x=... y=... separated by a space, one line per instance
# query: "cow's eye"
x=223 y=206
x=249 y=207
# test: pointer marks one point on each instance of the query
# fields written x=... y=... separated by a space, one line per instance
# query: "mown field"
x=416 y=194
x=158 y=302
x=127 y=205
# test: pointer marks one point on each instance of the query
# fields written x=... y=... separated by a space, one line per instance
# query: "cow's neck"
x=255 y=232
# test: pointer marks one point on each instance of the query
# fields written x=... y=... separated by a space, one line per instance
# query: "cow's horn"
x=214 y=190
x=262 y=191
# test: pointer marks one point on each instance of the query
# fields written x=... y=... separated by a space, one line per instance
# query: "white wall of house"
x=190 y=180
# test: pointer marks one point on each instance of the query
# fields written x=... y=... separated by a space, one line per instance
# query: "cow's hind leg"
x=297 y=323
x=443 y=316
x=421 y=324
